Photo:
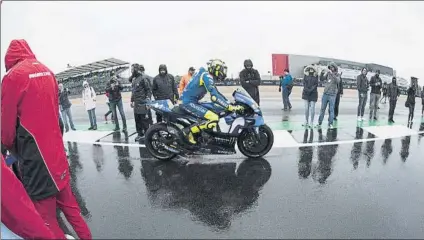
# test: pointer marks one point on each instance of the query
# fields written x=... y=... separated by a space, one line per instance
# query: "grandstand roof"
x=107 y=63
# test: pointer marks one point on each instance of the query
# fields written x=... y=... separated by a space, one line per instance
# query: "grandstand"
x=97 y=74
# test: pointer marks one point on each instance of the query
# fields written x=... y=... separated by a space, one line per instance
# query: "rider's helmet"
x=217 y=69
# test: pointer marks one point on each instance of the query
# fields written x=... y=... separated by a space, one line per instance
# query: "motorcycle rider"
x=202 y=83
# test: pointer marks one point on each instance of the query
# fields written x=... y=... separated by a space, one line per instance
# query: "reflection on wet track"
x=212 y=193
x=360 y=190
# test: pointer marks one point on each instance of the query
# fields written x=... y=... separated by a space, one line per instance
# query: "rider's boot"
x=197 y=128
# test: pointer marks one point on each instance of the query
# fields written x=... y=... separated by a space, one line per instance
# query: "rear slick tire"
x=265 y=133
x=149 y=142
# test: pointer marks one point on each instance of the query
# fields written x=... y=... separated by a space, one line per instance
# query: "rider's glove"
x=235 y=108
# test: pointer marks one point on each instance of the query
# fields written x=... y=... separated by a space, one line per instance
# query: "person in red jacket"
x=17 y=210
x=30 y=131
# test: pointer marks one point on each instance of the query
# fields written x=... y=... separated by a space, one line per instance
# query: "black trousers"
x=336 y=106
x=142 y=123
x=392 y=108
x=62 y=127
x=411 y=112
x=159 y=117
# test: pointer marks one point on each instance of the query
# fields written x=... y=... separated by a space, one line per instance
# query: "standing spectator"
x=331 y=81
x=110 y=110
x=384 y=90
x=65 y=107
x=141 y=94
x=29 y=97
x=338 y=96
x=410 y=100
x=89 y=100
x=375 y=94
x=164 y=87
x=149 y=112
x=422 y=101
x=393 y=94
x=250 y=80
x=362 y=86
x=310 y=94
x=115 y=100
x=185 y=79
x=286 y=85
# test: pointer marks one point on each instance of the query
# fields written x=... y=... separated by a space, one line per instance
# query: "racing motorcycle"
x=166 y=140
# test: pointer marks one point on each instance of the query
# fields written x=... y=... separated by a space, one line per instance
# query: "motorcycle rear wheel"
x=249 y=149
x=152 y=140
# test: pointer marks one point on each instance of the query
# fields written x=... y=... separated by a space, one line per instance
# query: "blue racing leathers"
x=200 y=84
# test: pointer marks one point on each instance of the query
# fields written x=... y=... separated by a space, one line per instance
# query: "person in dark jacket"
x=65 y=107
x=142 y=69
x=410 y=100
x=30 y=131
x=384 y=90
x=338 y=96
x=310 y=94
x=422 y=101
x=141 y=93
x=362 y=86
x=114 y=89
x=164 y=87
x=376 y=83
x=250 y=80
x=393 y=94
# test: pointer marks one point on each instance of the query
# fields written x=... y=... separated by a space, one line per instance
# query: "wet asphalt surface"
x=368 y=189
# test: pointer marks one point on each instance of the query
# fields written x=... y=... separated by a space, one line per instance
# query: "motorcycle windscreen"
x=240 y=95
x=162 y=105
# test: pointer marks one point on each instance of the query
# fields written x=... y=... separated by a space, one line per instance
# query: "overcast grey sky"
x=181 y=34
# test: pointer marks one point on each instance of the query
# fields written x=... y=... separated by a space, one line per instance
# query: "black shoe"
x=95 y=127
x=67 y=130
x=90 y=128
x=73 y=129
x=335 y=119
x=116 y=129
x=391 y=121
x=375 y=119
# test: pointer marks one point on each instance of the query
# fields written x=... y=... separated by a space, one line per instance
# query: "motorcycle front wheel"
x=251 y=148
x=155 y=136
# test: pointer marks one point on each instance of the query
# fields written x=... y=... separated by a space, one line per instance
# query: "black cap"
x=192 y=69
x=378 y=71
x=414 y=78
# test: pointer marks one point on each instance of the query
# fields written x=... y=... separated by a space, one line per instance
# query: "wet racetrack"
x=340 y=189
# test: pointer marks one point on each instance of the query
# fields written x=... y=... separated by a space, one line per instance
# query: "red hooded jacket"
x=17 y=210
x=29 y=122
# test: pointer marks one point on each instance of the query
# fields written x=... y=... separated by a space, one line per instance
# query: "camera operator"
x=115 y=100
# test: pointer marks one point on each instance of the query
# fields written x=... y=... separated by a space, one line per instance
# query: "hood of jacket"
x=306 y=70
x=163 y=67
x=248 y=62
x=18 y=50
x=333 y=64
